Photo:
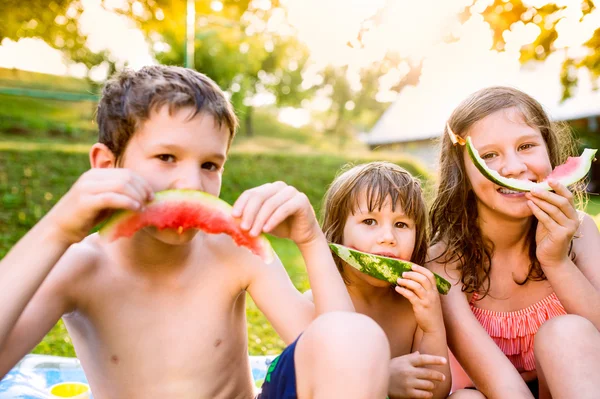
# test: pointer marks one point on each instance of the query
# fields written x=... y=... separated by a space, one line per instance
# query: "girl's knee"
x=561 y=330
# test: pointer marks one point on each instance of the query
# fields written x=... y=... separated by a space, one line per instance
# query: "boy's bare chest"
x=189 y=328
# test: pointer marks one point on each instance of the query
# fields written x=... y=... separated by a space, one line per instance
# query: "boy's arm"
x=49 y=301
x=281 y=210
x=25 y=268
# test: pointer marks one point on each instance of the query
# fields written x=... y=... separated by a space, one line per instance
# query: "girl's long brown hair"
x=454 y=215
x=379 y=181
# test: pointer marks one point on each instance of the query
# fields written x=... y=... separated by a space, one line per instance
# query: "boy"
x=162 y=314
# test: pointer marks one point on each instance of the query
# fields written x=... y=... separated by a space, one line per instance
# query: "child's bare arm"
x=281 y=210
x=559 y=224
x=418 y=286
x=490 y=370
x=29 y=262
x=51 y=300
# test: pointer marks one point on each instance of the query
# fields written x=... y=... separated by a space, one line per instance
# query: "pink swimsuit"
x=514 y=332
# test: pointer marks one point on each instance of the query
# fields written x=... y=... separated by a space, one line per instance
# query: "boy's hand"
x=278 y=209
x=94 y=196
x=557 y=223
x=410 y=377
x=418 y=286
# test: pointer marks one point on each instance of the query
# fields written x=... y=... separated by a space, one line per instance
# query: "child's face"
x=382 y=232
x=175 y=152
x=514 y=149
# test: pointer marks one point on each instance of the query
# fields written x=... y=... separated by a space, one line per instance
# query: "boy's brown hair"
x=454 y=216
x=379 y=181
x=130 y=96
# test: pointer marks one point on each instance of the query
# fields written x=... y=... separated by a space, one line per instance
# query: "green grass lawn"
x=33 y=176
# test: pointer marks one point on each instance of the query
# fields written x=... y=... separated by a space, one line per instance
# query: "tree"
x=246 y=46
x=503 y=15
x=55 y=22
x=360 y=106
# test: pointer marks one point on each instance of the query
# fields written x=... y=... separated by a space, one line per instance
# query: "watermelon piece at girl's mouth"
x=575 y=169
x=381 y=267
x=186 y=209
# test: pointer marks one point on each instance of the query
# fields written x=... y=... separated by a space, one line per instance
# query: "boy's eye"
x=166 y=158
x=210 y=166
x=489 y=155
x=401 y=225
x=369 y=222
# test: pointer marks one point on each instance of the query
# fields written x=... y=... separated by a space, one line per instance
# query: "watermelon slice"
x=381 y=267
x=575 y=169
x=186 y=209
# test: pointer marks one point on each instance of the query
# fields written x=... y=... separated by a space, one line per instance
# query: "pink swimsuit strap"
x=514 y=331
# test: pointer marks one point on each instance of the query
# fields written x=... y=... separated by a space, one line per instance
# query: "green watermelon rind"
x=524 y=185
x=382 y=267
x=179 y=195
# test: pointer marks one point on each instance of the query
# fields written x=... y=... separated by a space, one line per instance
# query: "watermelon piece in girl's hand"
x=186 y=209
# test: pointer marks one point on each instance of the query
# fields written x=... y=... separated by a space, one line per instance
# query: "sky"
x=412 y=28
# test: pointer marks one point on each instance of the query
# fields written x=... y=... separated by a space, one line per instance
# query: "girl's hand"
x=418 y=286
x=410 y=377
x=557 y=223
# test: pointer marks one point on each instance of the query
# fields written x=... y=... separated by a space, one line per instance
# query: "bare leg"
x=342 y=355
x=467 y=394
x=567 y=351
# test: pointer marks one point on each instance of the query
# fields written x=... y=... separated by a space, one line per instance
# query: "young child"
x=524 y=265
x=162 y=314
x=378 y=208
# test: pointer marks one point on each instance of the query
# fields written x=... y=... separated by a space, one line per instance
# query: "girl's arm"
x=489 y=369
x=576 y=283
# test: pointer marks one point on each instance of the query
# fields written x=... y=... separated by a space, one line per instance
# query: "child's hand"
x=410 y=377
x=557 y=223
x=94 y=196
x=418 y=286
x=278 y=209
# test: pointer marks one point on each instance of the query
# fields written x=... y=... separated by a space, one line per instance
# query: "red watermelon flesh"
x=186 y=209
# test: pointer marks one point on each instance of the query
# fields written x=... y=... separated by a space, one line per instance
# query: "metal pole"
x=190 y=33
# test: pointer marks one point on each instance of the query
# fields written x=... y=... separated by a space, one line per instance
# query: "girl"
x=378 y=208
x=524 y=264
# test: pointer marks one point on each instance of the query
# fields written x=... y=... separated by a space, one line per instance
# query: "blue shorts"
x=280 y=381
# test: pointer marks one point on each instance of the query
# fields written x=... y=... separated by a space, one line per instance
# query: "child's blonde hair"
x=379 y=181
x=454 y=211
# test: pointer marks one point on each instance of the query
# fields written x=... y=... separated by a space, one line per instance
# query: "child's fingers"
x=422 y=279
x=283 y=212
x=110 y=200
x=542 y=216
x=419 y=394
x=408 y=294
x=424 y=360
x=554 y=212
x=415 y=286
x=425 y=271
x=256 y=198
x=240 y=204
x=270 y=206
x=561 y=198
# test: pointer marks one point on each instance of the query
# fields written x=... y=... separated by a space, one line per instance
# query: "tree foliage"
x=246 y=47
x=504 y=15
